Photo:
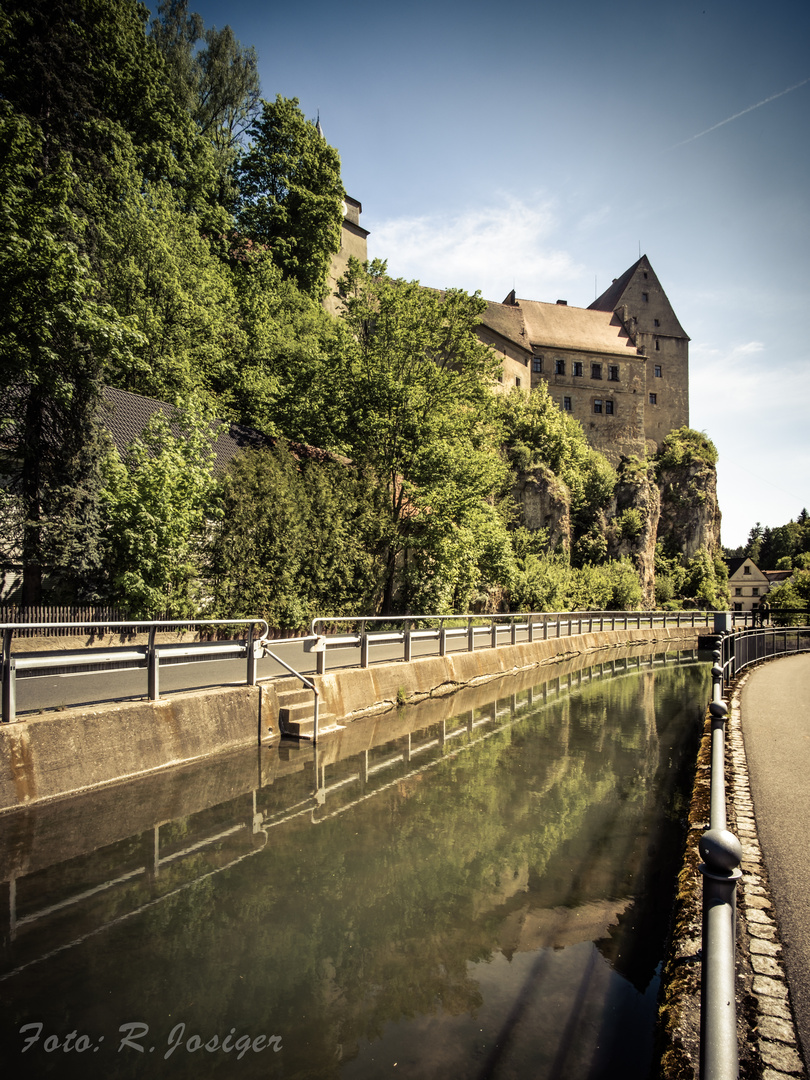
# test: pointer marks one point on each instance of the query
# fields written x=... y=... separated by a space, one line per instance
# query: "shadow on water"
x=477 y=886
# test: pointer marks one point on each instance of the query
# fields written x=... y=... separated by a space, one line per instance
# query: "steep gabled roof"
x=611 y=298
x=532 y=323
x=628 y=291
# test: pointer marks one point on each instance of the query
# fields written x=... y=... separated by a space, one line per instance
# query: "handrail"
x=722 y=852
x=565 y=624
x=150 y=652
x=304 y=680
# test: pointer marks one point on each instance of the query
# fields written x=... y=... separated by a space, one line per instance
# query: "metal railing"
x=722 y=852
x=147 y=655
x=491 y=629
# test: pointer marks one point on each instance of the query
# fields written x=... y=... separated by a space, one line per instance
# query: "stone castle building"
x=619 y=366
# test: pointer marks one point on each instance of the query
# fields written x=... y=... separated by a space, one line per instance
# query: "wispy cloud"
x=494 y=248
x=736 y=116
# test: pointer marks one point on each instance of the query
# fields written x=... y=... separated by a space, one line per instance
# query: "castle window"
x=596 y=371
x=559 y=366
x=517 y=380
x=537 y=363
x=577 y=368
x=609 y=407
x=500 y=378
x=645 y=297
x=657 y=345
x=658 y=371
x=567 y=404
x=613 y=372
x=597 y=405
x=653 y=399
x=656 y=322
x=738 y=592
x=746 y=569
x=755 y=591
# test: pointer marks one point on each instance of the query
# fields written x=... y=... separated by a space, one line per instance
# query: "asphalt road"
x=775 y=714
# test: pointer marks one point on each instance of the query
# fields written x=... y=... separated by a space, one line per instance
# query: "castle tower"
x=642 y=306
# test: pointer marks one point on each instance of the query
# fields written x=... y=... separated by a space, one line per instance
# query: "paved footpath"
x=775 y=717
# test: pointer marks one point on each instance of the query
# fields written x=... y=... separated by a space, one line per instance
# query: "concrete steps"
x=296 y=713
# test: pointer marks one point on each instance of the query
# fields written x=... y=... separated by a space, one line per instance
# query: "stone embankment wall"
x=80 y=749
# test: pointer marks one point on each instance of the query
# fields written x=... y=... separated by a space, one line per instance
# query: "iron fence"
x=722 y=853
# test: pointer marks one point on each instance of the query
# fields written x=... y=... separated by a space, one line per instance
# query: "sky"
x=545 y=147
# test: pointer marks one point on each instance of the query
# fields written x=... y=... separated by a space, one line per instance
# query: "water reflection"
x=483 y=894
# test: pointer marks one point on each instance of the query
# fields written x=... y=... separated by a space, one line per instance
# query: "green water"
x=486 y=895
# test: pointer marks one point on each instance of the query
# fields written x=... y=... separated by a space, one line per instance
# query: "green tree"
x=291 y=195
x=297 y=538
x=55 y=338
x=214 y=77
x=420 y=414
x=158 y=501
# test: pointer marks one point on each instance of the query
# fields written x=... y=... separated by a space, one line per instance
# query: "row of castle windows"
x=607 y=406
x=577 y=368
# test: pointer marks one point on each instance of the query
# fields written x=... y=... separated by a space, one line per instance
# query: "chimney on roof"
x=511 y=299
x=563 y=303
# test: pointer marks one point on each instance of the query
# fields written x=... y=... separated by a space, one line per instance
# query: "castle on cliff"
x=619 y=366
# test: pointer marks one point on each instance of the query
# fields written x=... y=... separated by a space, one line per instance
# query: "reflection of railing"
x=722 y=852
x=148 y=655
x=524 y=627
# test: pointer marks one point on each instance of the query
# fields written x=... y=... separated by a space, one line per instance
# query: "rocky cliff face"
x=676 y=504
x=545 y=503
x=690 y=514
x=633 y=518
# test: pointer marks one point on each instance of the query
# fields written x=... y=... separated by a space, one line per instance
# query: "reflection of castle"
x=619 y=366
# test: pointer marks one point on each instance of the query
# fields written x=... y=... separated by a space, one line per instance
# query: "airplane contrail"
x=736 y=116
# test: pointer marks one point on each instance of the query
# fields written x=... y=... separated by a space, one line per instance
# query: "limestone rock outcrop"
x=545 y=503
x=690 y=514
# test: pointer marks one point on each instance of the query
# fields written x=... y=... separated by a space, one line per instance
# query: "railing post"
x=545 y=628
x=363 y=648
x=251 y=658
x=531 y=628
x=513 y=638
x=470 y=636
x=408 y=643
x=9 y=690
x=442 y=640
x=320 y=660
x=153 y=667
x=722 y=854
x=9 y=680
x=494 y=634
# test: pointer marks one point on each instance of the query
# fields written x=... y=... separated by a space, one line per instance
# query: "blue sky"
x=545 y=146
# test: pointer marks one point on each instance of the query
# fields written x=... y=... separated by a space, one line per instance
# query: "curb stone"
x=773 y=1033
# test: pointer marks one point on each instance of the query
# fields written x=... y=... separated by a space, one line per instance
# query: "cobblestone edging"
x=767 y=1038
x=772 y=1032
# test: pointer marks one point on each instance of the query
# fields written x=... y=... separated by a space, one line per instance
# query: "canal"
x=476 y=887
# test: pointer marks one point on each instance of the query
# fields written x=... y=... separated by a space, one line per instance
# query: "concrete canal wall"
x=81 y=749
